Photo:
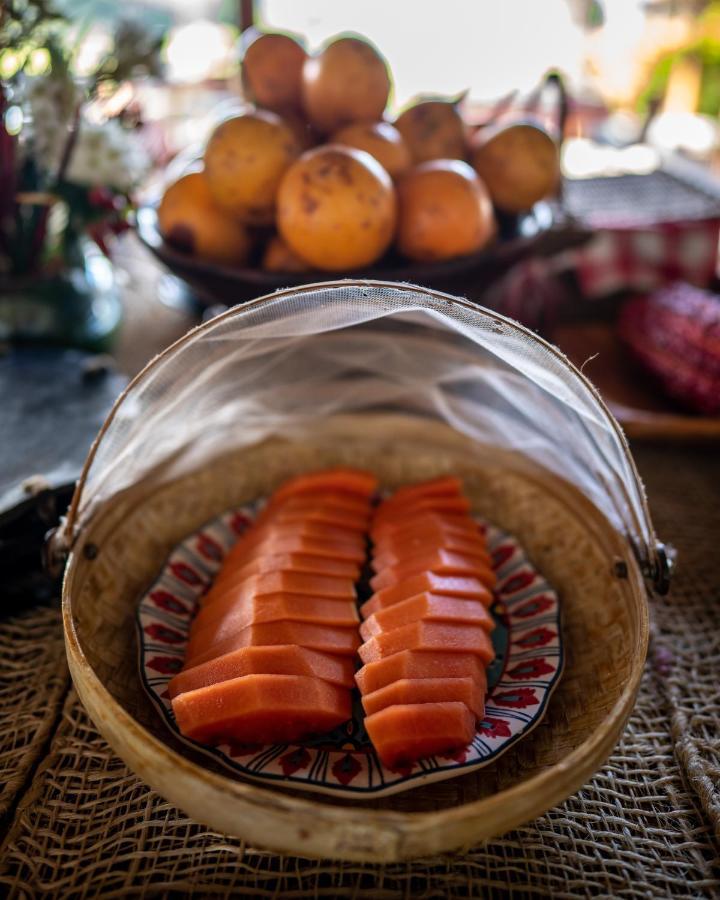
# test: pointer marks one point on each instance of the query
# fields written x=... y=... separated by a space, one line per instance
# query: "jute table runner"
x=78 y=824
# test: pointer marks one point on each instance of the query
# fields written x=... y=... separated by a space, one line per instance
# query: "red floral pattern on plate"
x=165 y=635
x=517 y=699
x=239 y=522
x=494 y=728
x=346 y=768
x=538 y=637
x=502 y=554
x=532 y=668
x=167 y=601
x=185 y=573
x=209 y=548
x=520 y=581
x=297 y=759
x=533 y=607
x=165 y=665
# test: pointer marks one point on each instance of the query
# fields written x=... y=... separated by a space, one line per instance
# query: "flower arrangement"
x=71 y=151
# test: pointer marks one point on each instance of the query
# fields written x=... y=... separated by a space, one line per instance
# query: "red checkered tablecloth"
x=645 y=257
x=649 y=230
x=620 y=258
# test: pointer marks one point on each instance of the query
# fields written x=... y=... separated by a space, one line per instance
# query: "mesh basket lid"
x=284 y=361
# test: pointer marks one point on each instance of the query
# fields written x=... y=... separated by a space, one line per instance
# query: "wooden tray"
x=605 y=628
x=632 y=396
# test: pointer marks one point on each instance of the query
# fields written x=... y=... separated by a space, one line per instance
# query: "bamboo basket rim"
x=405 y=834
x=66 y=536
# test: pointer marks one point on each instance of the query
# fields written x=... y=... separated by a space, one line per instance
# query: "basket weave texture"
x=648 y=824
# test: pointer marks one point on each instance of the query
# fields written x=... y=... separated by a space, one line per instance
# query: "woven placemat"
x=33 y=683
x=647 y=825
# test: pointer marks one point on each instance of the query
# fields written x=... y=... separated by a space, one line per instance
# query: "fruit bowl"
x=543 y=232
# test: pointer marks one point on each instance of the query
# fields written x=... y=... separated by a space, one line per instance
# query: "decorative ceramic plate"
x=527 y=639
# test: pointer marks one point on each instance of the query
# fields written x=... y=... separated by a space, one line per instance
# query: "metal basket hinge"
x=55 y=550
x=658 y=570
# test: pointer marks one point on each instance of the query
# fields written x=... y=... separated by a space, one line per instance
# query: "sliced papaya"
x=449 y=507
x=420 y=664
x=447 y=636
x=398 y=552
x=427 y=690
x=450 y=585
x=284 y=659
x=397 y=533
x=254 y=538
x=444 y=485
x=298 y=543
x=291 y=562
x=325 y=638
x=404 y=734
x=427 y=608
x=348 y=503
x=261 y=709
x=325 y=513
x=225 y=593
x=271 y=608
x=440 y=562
x=321 y=515
x=270 y=540
x=338 y=480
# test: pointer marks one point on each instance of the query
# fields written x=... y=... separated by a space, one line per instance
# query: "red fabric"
x=643 y=258
x=621 y=258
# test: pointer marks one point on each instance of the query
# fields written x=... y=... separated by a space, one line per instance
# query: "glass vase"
x=77 y=306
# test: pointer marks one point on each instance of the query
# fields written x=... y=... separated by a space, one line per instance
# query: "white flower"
x=107 y=155
x=51 y=103
x=104 y=154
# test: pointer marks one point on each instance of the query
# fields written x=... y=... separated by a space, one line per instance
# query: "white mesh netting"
x=279 y=364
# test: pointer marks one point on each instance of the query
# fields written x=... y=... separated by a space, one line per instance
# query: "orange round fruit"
x=520 y=165
x=337 y=208
x=433 y=129
x=272 y=71
x=305 y=134
x=278 y=257
x=444 y=211
x=347 y=81
x=245 y=160
x=190 y=221
x=379 y=139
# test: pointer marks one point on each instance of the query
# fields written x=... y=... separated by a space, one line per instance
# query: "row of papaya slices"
x=272 y=653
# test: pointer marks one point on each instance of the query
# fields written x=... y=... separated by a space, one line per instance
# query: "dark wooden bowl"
x=541 y=233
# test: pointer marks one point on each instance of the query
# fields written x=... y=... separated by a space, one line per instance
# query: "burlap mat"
x=647 y=825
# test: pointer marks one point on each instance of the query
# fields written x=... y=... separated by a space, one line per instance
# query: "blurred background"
x=617 y=56
x=106 y=105
x=586 y=134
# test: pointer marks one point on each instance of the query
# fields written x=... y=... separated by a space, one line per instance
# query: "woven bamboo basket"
x=120 y=530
